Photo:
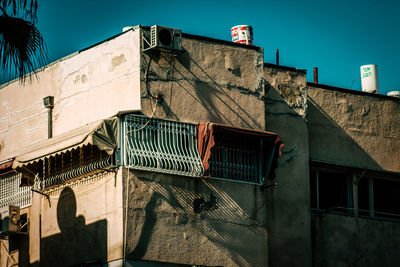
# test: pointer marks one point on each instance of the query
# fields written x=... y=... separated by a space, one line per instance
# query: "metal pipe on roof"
x=315 y=75
x=277 y=56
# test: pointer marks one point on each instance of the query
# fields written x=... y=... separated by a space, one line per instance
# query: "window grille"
x=70 y=164
x=232 y=162
x=11 y=193
x=161 y=145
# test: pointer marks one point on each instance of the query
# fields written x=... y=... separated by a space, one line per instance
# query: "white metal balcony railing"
x=172 y=147
x=160 y=145
x=11 y=193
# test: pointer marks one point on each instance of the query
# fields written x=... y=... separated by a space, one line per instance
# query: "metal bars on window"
x=75 y=171
x=69 y=165
x=235 y=163
x=11 y=193
x=160 y=145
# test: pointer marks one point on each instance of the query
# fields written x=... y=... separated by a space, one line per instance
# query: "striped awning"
x=102 y=134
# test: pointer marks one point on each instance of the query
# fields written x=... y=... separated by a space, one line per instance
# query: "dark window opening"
x=386 y=194
x=331 y=191
x=334 y=193
x=363 y=197
x=313 y=188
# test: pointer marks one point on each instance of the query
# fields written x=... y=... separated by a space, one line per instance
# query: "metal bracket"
x=43 y=194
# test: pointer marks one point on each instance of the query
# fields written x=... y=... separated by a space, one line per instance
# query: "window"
x=378 y=197
x=331 y=190
x=70 y=164
x=11 y=193
x=354 y=191
x=238 y=154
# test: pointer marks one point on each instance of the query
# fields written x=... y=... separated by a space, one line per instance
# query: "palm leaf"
x=22 y=46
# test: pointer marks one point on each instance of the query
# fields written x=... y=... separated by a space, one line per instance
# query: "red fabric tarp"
x=210 y=133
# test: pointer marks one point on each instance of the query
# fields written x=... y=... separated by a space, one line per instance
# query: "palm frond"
x=22 y=46
x=26 y=9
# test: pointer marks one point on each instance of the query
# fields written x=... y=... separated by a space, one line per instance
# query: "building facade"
x=196 y=153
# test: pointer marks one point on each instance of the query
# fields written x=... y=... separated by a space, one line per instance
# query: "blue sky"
x=335 y=36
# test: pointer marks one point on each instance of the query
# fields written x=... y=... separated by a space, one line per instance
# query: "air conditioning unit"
x=164 y=39
x=14 y=222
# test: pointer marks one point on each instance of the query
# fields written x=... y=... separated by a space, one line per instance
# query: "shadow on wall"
x=330 y=143
x=210 y=95
x=77 y=244
x=200 y=210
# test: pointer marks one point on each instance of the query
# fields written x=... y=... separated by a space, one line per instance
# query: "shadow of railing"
x=209 y=94
x=224 y=223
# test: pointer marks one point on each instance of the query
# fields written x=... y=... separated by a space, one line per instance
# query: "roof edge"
x=275 y=66
x=350 y=91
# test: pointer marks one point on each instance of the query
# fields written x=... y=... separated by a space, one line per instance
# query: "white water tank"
x=369 y=78
x=242 y=34
x=394 y=93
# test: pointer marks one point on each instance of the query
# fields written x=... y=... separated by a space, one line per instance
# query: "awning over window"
x=5 y=166
x=102 y=134
x=269 y=143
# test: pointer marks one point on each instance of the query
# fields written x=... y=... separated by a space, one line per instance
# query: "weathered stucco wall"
x=163 y=226
x=289 y=217
x=355 y=130
x=82 y=222
x=348 y=241
x=90 y=85
x=222 y=83
x=209 y=82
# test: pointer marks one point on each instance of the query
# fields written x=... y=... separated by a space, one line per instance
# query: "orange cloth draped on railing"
x=208 y=133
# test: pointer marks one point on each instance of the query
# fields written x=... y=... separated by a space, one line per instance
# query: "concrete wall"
x=348 y=241
x=223 y=83
x=353 y=129
x=82 y=222
x=209 y=82
x=289 y=217
x=356 y=130
x=87 y=86
x=162 y=225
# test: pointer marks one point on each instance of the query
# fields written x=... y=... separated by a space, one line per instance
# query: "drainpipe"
x=48 y=102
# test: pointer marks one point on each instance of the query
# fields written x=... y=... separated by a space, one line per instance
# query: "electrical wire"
x=147 y=78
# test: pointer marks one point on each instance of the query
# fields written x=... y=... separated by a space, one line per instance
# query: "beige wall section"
x=87 y=86
x=209 y=82
x=354 y=130
x=84 y=222
x=162 y=224
x=289 y=216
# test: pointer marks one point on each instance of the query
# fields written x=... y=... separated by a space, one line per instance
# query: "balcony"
x=203 y=150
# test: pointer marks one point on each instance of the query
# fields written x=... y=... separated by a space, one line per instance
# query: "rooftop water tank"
x=242 y=34
x=394 y=93
x=369 y=78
